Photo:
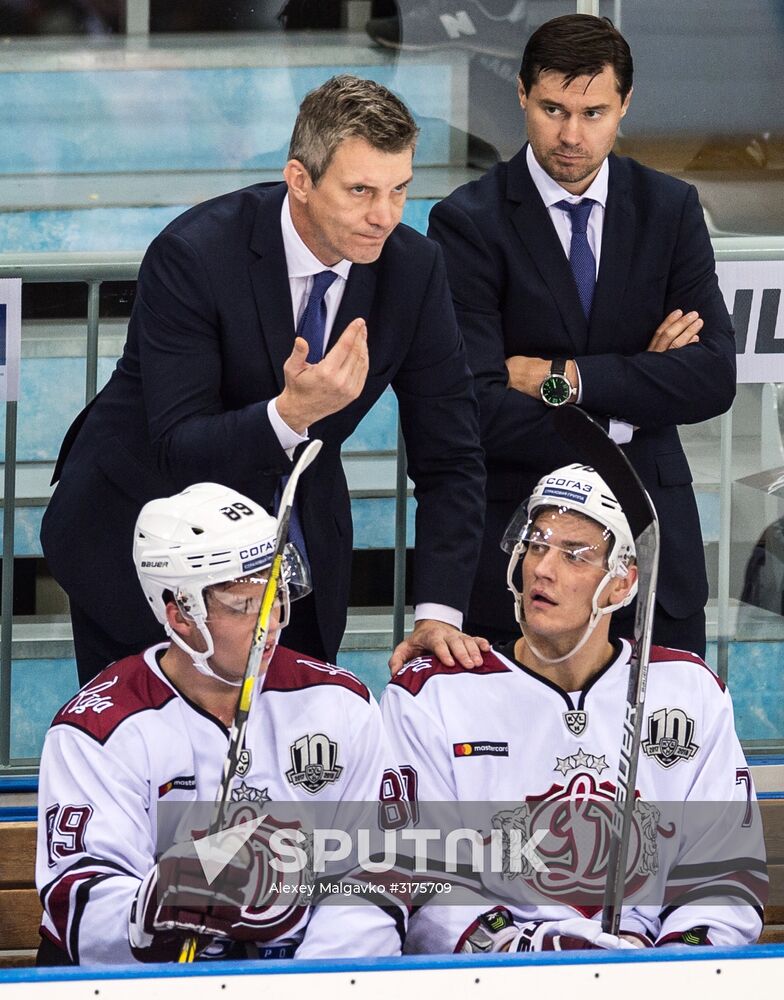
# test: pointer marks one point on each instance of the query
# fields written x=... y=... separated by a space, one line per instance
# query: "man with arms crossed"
x=581 y=276
x=539 y=726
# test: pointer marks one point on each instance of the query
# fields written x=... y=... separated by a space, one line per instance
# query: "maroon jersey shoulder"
x=290 y=671
x=416 y=673
x=118 y=692
x=663 y=654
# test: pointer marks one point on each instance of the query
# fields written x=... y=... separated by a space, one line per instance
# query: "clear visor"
x=295 y=583
x=538 y=542
x=245 y=602
x=542 y=532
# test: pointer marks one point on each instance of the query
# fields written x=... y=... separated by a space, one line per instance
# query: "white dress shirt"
x=302 y=265
x=551 y=193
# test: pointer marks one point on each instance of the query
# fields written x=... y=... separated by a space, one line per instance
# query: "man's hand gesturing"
x=315 y=391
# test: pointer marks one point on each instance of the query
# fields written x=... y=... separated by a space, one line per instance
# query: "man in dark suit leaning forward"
x=582 y=277
x=214 y=384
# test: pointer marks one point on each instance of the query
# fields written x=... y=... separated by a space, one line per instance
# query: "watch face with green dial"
x=555 y=390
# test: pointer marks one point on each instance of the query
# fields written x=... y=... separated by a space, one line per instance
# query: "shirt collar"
x=301 y=262
x=551 y=191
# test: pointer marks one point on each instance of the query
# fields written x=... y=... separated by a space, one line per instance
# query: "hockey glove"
x=496 y=931
x=175 y=901
x=570 y=934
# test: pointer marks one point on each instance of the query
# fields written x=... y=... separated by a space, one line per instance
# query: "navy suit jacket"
x=514 y=293
x=210 y=330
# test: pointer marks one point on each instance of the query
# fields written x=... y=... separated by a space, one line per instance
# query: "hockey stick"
x=237 y=733
x=600 y=451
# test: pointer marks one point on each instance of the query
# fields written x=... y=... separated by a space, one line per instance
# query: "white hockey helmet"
x=577 y=489
x=206 y=535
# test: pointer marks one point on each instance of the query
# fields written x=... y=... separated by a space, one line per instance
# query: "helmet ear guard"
x=206 y=535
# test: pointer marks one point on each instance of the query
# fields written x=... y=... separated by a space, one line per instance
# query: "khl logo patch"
x=576 y=720
x=243 y=763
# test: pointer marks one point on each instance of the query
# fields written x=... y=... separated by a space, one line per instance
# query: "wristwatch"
x=556 y=389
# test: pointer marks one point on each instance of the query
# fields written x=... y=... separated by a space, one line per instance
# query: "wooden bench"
x=772 y=811
x=20 y=910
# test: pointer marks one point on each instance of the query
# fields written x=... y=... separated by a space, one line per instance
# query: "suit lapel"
x=532 y=222
x=618 y=237
x=270 y=281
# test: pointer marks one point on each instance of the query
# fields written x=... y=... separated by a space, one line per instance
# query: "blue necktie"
x=581 y=258
x=313 y=321
x=312 y=326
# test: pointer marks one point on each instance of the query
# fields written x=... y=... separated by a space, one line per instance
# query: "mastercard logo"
x=481 y=749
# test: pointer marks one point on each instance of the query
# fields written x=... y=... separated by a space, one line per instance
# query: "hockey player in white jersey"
x=531 y=740
x=153 y=729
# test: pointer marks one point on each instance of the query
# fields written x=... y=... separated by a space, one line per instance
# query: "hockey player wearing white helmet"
x=539 y=726
x=201 y=558
x=573 y=540
x=151 y=732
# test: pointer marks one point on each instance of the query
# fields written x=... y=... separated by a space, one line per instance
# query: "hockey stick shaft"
x=623 y=811
x=261 y=631
x=598 y=450
x=255 y=655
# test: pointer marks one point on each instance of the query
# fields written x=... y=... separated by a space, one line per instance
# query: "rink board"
x=727 y=973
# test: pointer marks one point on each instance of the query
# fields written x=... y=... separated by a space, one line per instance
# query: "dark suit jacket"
x=210 y=330
x=514 y=293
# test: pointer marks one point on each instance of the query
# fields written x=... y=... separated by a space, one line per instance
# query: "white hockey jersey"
x=130 y=741
x=508 y=745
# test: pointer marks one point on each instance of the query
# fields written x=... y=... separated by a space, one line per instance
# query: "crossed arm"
x=678 y=329
x=681 y=371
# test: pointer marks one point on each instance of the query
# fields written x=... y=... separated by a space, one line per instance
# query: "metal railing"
x=732 y=248
x=93 y=269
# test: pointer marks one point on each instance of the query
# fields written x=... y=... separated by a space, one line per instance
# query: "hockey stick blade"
x=598 y=450
x=307 y=455
x=255 y=655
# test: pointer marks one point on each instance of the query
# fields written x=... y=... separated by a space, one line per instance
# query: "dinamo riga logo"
x=670 y=737
x=578 y=824
x=272 y=900
x=314 y=763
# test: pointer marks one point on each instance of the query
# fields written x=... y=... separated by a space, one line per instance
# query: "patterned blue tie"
x=581 y=258
x=313 y=321
x=312 y=326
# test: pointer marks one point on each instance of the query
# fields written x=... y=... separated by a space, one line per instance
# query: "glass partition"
x=122 y=115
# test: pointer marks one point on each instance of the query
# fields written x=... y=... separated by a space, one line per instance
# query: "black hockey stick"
x=599 y=451
x=237 y=733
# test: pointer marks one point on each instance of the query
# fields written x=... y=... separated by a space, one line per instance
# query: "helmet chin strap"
x=198 y=659
x=593 y=621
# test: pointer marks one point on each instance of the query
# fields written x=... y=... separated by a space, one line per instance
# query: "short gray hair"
x=347 y=107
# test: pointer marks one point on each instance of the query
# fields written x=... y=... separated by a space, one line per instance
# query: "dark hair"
x=577 y=45
x=348 y=107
